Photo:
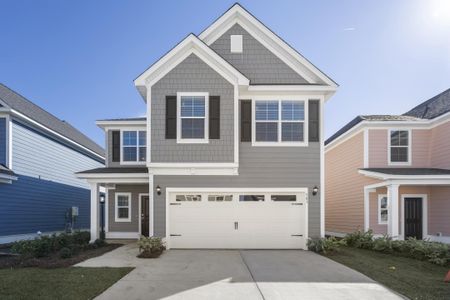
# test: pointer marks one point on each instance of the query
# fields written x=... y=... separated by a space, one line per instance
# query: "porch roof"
x=116 y=170
x=406 y=173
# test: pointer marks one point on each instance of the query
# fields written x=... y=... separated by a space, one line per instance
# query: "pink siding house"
x=391 y=174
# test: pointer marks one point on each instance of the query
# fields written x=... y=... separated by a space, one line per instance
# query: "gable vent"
x=236 y=43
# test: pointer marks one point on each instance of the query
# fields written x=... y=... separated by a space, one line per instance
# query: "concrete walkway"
x=233 y=274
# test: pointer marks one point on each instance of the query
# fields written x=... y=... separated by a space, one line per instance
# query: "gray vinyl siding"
x=3 y=141
x=192 y=75
x=256 y=62
x=37 y=156
x=135 y=190
x=259 y=167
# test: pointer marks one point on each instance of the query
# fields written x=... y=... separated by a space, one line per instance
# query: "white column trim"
x=106 y=211
x=94 y=211
x=367 y=208
x=366 y=148
x=151 y=205
x=393 y=204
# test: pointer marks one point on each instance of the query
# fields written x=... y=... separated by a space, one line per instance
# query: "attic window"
x=236 y=43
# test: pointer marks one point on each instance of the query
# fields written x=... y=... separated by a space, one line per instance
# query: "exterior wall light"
x=158 y=190
x=102 y=198
x=315 y=190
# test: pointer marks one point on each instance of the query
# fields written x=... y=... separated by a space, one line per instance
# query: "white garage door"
x=238 y=220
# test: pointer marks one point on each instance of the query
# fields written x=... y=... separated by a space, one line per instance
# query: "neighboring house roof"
x=432 y=108
x=408 y=171
x=361 y=118
x=116 y=170
x=24 y=106
x=5 y=170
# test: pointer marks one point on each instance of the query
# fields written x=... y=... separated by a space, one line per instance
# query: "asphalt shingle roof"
x=432 y=108
x=31 y=110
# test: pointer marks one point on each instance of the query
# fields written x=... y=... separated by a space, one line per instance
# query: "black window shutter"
x=171 y=117
x=214 y=117
x=246 y=120
x=314 y=122
x=115 y=145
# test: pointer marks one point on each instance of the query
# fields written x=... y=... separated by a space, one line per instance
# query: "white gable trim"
x=190 y=45
x=238 y=15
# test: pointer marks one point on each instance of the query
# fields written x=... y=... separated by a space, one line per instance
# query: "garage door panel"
x=232 y=224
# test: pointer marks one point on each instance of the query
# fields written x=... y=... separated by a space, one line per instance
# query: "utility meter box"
x=75 y=211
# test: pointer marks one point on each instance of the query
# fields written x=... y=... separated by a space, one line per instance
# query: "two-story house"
x=230 y=153
x=39 y=155
x=391 y=174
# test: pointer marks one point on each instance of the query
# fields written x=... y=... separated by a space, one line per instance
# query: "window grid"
x=280 y=121
x=134 y=148
x=399 y=141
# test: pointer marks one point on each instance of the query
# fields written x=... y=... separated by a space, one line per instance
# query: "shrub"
x=100 y=243
x=323 y=245
x=383 y=244
x=65 y=253
x=434 y=252
x=150 y=247
x=45 y=245
x=360 y=239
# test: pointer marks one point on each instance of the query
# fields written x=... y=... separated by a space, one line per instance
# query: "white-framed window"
x=192 y=117
x=123 y=207
x=280 y=122
x=382 y=209
x=133 y=146
x=220 y=198
x=399 y=152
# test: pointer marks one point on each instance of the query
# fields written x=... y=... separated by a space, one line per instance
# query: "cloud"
x=350 y=29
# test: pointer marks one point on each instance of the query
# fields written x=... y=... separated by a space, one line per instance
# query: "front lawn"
x=61 y=283
x=412 y=278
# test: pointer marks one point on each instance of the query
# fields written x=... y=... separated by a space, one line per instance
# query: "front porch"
x=127 y=202
x=408 y=203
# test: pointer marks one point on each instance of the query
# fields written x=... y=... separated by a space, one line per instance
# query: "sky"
x=78 y=59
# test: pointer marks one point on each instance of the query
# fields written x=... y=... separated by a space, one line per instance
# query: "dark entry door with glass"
x=413 y=218
x=144 y=215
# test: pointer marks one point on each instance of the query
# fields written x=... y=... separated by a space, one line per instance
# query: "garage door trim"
x=171 y=190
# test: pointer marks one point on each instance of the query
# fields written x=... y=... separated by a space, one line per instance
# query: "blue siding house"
x=39 y=156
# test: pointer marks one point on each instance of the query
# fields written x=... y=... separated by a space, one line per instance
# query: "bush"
x=150 y=247
x=434 y=252
x=45 y=245
x=65 y=253
x=360 y=239
x=100 y=243
x=383 y=244
x=323 y=245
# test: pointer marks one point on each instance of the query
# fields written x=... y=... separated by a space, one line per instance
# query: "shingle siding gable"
x=256 y=62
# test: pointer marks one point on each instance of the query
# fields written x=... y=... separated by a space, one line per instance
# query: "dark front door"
x=413 y=218
x=144 y=215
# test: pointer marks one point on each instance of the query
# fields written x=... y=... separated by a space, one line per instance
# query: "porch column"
x=367 y=192
x=95 y=203
x=393 y=227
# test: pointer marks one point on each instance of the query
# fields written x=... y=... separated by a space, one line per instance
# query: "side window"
x=399 y=143
x=134 y=147
x=123 y=207
x=382 y=209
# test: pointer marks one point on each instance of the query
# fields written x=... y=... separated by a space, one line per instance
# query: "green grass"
x=412 y=278
x=62 y=283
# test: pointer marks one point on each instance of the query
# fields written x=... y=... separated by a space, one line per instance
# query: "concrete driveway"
x=233 y=274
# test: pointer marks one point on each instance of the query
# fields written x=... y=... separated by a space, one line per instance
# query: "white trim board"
x=190 y=45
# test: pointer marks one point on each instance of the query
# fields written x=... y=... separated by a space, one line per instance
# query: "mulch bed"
x=54 y=261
